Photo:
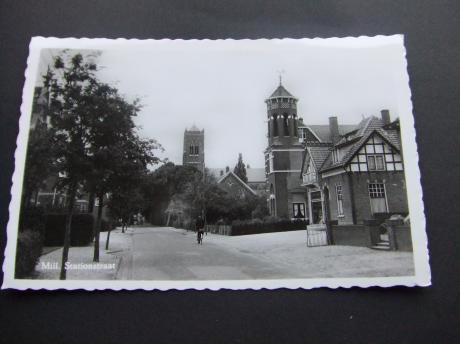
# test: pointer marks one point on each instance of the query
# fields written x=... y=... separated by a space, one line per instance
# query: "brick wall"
x=341 y=179
x=395 y=192
x=351 y=235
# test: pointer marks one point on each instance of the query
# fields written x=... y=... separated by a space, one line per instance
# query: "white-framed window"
x=375 y=163
x=377 y=196
x=334 y=156
x=338 y=191
x=298 y=210
x=270 y=162
x=302 y=134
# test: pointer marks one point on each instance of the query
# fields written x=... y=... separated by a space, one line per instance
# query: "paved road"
x=164 y=253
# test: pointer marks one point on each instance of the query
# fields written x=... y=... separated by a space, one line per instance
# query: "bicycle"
x=200 y=237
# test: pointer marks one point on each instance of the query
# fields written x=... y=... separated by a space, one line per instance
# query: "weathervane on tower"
x=280 y=74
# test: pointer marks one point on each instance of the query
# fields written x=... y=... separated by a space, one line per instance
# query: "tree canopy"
x=240 y=169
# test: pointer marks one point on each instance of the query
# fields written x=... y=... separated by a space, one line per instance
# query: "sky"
x=220 y=86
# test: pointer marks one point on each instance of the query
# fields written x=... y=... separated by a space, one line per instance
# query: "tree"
x=114 y=147
x=240 y=169
x=95 y=136
x=70 y=84
x=39 y=161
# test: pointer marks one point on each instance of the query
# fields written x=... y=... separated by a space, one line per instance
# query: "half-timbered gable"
x=376 y=154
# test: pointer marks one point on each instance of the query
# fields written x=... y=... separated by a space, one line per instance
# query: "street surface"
x=165 y=253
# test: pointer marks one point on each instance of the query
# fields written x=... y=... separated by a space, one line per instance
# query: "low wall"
x=351 y=235
x=402 y=238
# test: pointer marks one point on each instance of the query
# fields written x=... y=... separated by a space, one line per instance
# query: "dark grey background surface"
x=400 y=315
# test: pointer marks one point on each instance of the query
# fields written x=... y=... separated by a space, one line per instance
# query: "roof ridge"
x=239 y=179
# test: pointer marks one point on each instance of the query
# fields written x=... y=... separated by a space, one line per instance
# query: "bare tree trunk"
x=68 y=224
x=108 y=239
x=169 y=217
x=98 y=227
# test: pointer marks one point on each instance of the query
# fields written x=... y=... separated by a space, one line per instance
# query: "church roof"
x=323 y=131
x=230 y=174
x=255 y=175
x=281 y=92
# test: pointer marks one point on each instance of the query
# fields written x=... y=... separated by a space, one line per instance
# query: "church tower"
x=283 y=156
x=194 y=148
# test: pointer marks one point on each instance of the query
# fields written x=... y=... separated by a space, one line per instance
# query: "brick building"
x=359 y=174
x=356 y=169
x=283 y=156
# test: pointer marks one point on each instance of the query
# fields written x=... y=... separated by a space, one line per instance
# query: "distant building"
x=231 y=183
x=256 y=177
x=193 y=154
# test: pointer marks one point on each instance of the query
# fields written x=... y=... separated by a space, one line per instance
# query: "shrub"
x=81 y=230
x=29 y=249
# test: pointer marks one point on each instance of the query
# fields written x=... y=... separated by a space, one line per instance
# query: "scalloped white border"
x=422 y=275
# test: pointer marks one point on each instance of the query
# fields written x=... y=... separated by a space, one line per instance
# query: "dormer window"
x=335 y=155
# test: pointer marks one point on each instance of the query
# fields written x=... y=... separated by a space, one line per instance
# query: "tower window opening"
x=275 y=125
x=197 y=150
x=294 y=118
x=191 y=149
x=285 y=125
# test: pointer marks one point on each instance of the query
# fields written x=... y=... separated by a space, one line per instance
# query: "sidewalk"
x=81 y=265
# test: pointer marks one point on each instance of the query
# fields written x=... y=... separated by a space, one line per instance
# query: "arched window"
x=272 y=200
x=294 y=118
x=275 y=125
x=285 y=124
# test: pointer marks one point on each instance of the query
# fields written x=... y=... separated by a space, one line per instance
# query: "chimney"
x=334 y=129
x=385 y=117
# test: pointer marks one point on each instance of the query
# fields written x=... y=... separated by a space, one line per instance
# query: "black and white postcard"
x=210 y=164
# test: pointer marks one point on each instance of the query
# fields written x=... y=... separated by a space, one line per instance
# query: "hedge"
x=29 y=249
x=81 y=230
x=268 y=225
x=32 y=218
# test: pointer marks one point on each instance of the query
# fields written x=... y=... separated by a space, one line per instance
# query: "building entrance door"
x=317 y=211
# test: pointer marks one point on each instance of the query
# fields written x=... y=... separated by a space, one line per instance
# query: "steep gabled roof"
x=281 y=92
x=324 y=134
x=238 y=179
x=318 y=153
x=356 y=146
x=256 y=174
